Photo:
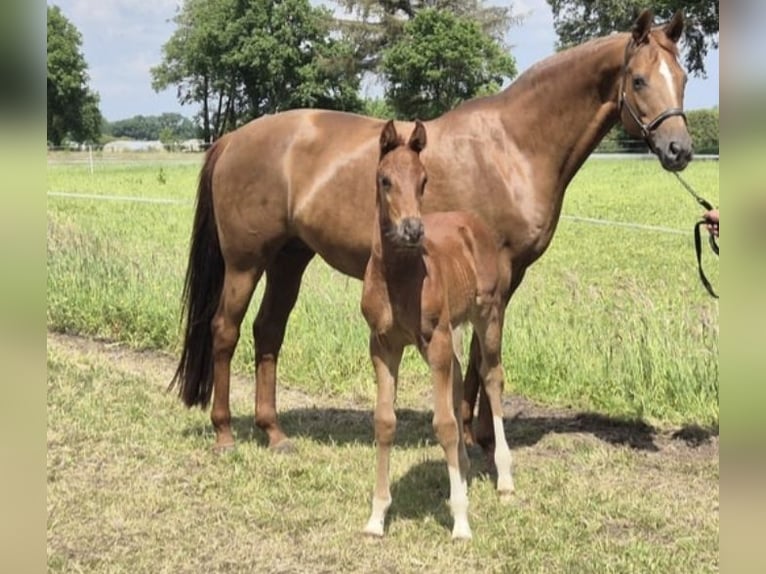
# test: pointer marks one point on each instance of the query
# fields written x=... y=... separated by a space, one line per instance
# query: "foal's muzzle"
x=411 y=231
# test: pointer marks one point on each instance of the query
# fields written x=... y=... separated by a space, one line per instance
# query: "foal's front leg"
x=385 y=360
x=442 y=360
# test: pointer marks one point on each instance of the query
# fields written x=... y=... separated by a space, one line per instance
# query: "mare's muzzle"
x=670 y=142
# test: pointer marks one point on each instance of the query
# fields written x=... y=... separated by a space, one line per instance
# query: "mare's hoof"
x=285 y=446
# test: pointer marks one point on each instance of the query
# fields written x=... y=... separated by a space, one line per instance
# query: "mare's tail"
x=201 y=293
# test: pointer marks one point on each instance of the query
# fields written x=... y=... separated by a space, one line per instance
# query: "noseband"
x=646 y=128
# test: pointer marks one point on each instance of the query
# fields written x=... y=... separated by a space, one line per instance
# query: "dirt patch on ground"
x=527 y=422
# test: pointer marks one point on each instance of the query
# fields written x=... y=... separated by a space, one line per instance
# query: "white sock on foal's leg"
x=502 y=458
x=458 y=501
x=378 y=516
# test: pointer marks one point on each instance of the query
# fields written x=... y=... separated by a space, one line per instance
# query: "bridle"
x=646 y=128
x=646 y=133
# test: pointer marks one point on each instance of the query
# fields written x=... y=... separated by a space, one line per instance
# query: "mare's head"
x=401 y=179
x=652 y=90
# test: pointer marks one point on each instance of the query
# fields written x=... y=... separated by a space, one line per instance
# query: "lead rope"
x=697 y=238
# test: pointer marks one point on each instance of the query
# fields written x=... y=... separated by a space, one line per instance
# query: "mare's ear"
x=417 y=141
x=642 y=26
x=389 y=139
x=675 y=27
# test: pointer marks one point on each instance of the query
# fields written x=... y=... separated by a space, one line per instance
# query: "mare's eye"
x=384 y=182
x=639 y=82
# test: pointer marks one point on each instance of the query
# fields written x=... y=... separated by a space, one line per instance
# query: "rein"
x=697 y=238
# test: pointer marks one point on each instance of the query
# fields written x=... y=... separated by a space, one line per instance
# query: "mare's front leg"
x=385 y=361
x=442 y=361
x=283 y=281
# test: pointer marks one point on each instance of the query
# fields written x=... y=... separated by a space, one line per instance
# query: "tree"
x=440 y=60
x=703 y=129
x=174 y=127
x=378 y=24
x=72 y=107
x=241 y=59
x=576 y=21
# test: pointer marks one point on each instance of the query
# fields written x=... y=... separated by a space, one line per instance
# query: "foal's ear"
x=417 y=141
x=675 y=27
x=389 y=139
x=642 y=26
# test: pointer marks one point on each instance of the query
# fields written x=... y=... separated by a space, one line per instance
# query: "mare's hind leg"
x=385 y=360
x=489 y=332
x=473 y=389
x=441 y=359
x=237 y=290
x=283 y=281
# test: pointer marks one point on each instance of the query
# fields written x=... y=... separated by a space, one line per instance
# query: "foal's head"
x=401 y=179
x=652 y=90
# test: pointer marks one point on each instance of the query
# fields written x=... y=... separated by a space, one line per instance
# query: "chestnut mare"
x=283 y=187
x=426 y=275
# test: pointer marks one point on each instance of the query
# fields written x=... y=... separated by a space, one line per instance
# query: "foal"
x=426 y=275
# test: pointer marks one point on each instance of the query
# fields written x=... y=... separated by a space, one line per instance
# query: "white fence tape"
x=168 y=201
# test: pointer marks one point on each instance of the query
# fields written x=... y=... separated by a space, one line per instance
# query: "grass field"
x=612 y=365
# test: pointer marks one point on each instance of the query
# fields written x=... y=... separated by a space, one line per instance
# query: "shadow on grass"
x=349 y=426
x=422 y=491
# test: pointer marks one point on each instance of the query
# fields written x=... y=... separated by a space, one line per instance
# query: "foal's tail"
x=202 y=290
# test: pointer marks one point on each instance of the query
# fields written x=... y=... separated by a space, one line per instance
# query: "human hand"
x=711 y=218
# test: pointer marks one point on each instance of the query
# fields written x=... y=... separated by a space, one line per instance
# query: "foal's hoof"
x=285 y=446
x=461 y=533
x=505 y=496
x=224 y=448
x=373 y=530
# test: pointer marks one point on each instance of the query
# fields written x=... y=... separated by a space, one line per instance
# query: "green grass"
x=610 y=319
x=134 y=487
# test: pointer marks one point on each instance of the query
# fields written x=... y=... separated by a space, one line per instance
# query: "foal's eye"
x=639 y=82
x=384 y=182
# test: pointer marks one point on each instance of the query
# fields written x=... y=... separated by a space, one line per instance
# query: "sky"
x=122 y=41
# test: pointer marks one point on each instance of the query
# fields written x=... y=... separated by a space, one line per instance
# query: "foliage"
x=241 y=60
x=376 y=25
x=175 y=127
x=703 y=127
x=72 y=107
x=440 y=60
x=576 y=21
x=377 y=108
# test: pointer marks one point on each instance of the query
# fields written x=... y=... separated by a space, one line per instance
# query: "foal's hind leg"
x=489 y=331
x=283 y=281
x=385 y=360
x=237 y=290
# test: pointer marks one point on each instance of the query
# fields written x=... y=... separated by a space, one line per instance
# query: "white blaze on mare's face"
x=668 y=75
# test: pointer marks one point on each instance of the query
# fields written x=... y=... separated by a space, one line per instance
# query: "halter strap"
x=646 y=128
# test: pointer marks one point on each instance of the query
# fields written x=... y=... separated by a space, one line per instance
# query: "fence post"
x=90 y=157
